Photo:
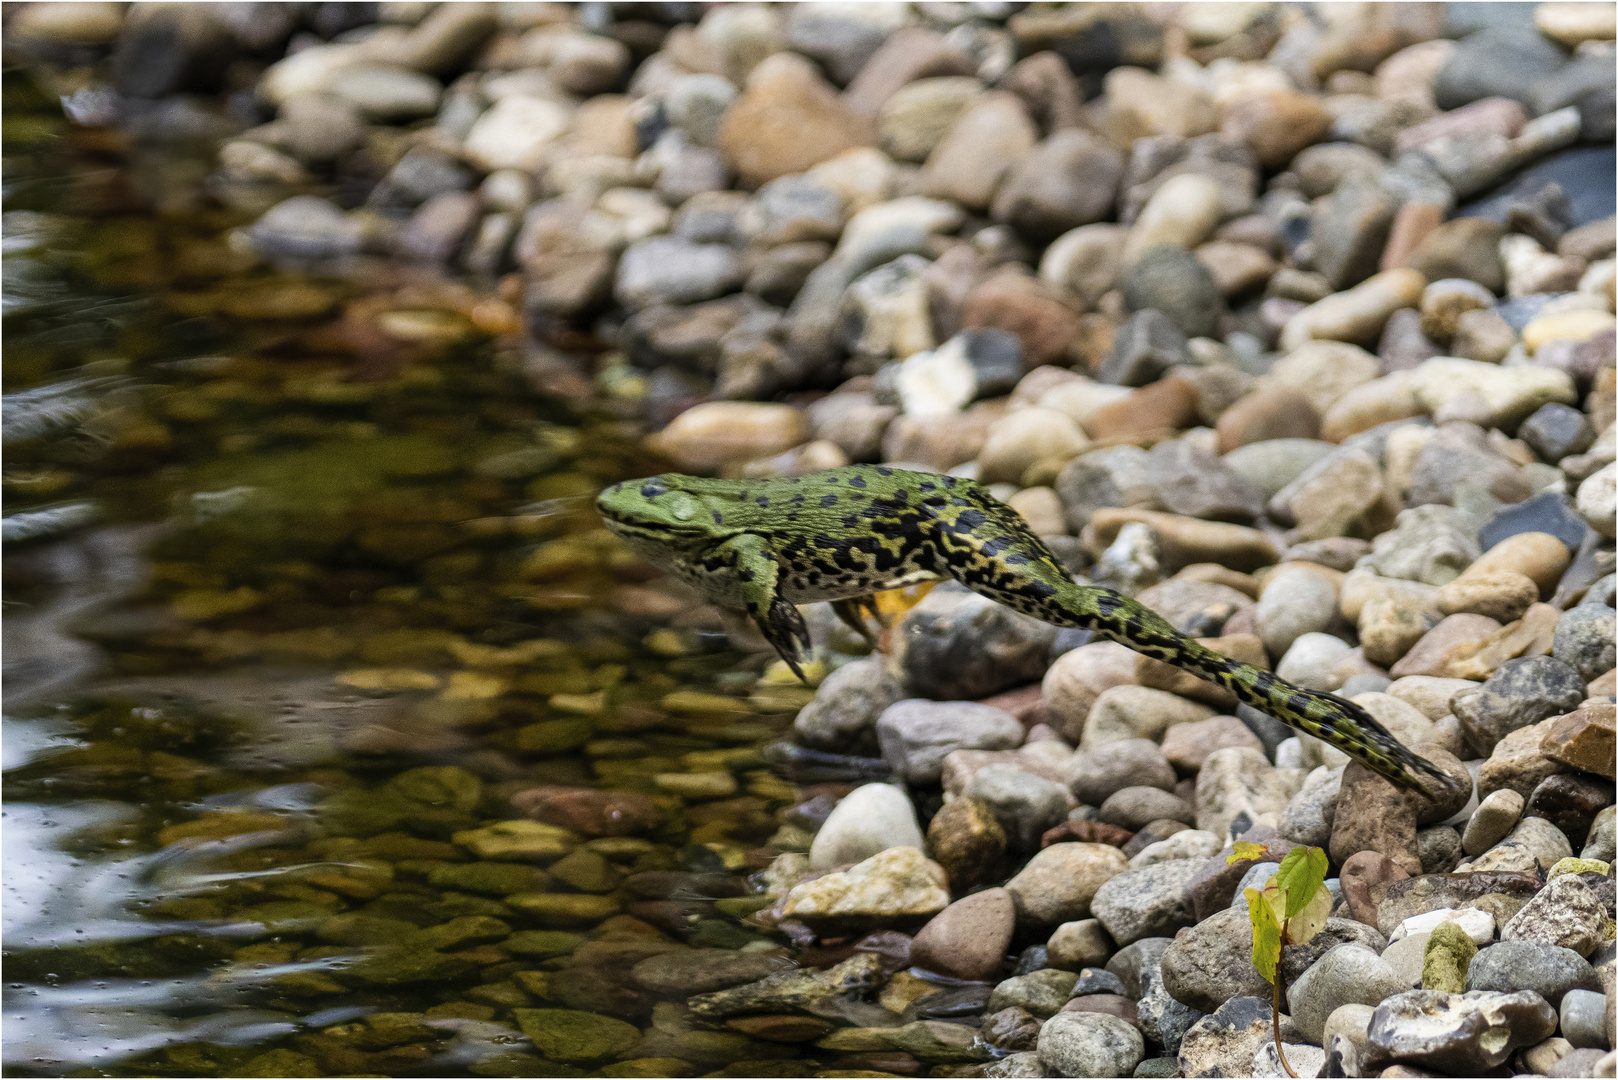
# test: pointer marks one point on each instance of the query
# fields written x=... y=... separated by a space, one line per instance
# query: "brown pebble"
x=1410 y=227
x=968 y=939
x=1276 y=413
x=1167 y=405
x=1360 y=872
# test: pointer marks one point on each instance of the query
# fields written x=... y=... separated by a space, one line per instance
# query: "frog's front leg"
x=757 y=578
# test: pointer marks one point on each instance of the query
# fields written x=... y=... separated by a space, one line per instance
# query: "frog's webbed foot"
x=757 y=574
x=783 y=627
x=853 y=612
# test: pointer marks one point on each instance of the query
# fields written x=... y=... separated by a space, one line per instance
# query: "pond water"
x=302 y=585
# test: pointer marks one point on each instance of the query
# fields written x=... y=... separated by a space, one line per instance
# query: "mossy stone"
x=565 y=910
x=399 y=967
x=460 y=933
x=1444 y=961
x=518 y=841
x=356 y=928
x=493 y=878
x=1579 y=866
x=552 y=736
x=569 y=1035
x=517 y=1063
x=281 y=1063
x=586 y=871
x=542 y=943
x=648 y=1067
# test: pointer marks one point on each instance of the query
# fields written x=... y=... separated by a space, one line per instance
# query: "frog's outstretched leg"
x=853 y=612
x=757 y=574
x=988 y=548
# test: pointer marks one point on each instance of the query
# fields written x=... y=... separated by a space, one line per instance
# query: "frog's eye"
x=654 y=487
x=681 y=506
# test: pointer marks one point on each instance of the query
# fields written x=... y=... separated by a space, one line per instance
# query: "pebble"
x=1058 y=884
x=967 y=840
x=1356 y=315
x=701 y=971
x=1347 y=974
x=1547 y=970
x=787 y=119
x=890 y=887
x=1090 y=1044
x=869 y=820
x=1296 y=601
x=1187 y=746
x=1211 y=962
x=1149 y=902
x=1520 y=693
x=1468 y=1034
x=846 y=704
x=916 y=734
x=1041 y=993
x=1077 y=945
x=1493 y=819
x=1226 y=1040
x=958 y=646
x=1567 y=913
x=992 y=136
x=968 y=939
x=1583 y=1019
x=1583 y=739
x=1135 y=807
x=1136 y=712
x=1502 y=595
x=1026 y=805
x=1240 y=780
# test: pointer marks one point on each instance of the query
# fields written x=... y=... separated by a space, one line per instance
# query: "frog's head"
x=659 y=507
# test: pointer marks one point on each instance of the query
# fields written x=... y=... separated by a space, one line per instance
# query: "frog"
x=765 y=546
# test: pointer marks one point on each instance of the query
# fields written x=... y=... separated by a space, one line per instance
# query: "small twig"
x=1275 y=1019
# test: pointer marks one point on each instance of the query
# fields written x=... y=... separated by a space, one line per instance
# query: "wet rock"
x=589 y=811
x=571 y=1035
x=967 y=840
x=702 y=971
x=1472 y=1032
x=814 y=991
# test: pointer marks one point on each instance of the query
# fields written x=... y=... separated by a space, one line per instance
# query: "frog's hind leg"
x=853 y=612
x=758 y=576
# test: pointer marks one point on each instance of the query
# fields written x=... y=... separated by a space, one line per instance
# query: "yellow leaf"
x=1244 y=850
x=1311 y=919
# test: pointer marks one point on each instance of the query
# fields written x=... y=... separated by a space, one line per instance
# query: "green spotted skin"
x=763 y=546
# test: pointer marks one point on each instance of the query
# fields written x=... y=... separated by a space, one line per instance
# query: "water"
x=302 y=583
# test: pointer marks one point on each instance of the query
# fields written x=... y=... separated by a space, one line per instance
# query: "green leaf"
x=1266 y=934
x=1244 y=850
x=1311 y=919
x=1302 y=873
